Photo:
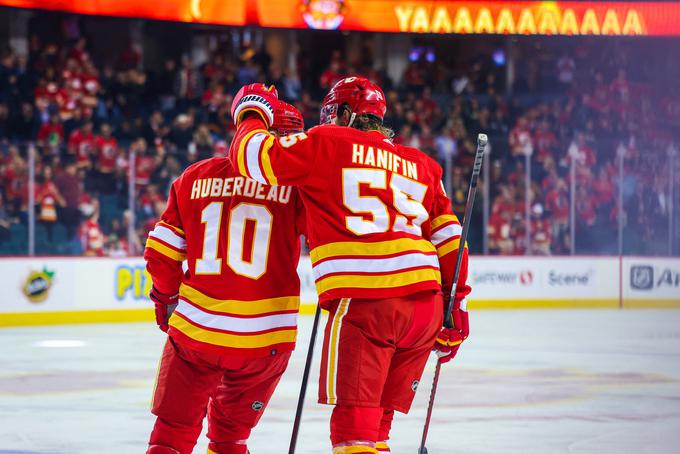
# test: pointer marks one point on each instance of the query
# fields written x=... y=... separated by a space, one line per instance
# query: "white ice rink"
x=525 y=382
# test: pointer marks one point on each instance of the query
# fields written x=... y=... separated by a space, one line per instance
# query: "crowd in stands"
x=87 y=121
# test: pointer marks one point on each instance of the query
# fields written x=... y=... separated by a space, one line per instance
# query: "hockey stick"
x=303 y=386
x=479 y=158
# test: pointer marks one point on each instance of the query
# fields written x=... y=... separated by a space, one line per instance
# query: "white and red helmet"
x=361 y=96
x=287 y=119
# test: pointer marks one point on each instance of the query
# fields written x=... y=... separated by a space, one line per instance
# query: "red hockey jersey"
x=378 y=220
x=240 y=239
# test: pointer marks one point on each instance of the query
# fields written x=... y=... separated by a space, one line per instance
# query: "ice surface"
x=525 y=382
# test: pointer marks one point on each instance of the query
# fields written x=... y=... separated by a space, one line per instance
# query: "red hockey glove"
x=449 y=339
x=256 y=98
x=165 y=305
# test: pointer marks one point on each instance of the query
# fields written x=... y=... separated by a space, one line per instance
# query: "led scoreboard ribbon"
x=442 y=17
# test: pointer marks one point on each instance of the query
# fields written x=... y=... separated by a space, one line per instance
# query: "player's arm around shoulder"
x=260 y=155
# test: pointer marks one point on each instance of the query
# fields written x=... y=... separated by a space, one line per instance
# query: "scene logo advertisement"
x=558 y=278
x=37 y=285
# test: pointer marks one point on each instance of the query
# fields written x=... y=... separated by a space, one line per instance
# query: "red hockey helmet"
x=361 y=96
x=287 y=119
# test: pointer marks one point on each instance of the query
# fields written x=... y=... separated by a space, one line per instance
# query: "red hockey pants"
x=374 y=354
x=232 y=391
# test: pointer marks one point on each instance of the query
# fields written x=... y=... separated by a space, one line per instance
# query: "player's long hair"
x=366 y=122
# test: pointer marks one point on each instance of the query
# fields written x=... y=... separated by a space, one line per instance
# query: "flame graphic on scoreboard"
x=323 y=14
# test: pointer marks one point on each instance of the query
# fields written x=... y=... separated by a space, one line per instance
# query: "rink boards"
x=42 y=290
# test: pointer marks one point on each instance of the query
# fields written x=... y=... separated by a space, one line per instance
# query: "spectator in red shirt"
x=145 y=163
x=430 y=106
x=214 y=97
x=580 y=152
x=90 y=233
x=47 y=198
x=68 y=99
x=520 y=139
x=79 y=51
x=541 y=231
x=81 y=144
x=500 y=225
x=148 y=200
x=51 y=134
x=106 y=150
x=504 y=202
x=221 y=149
x=544 y=141
x=91 y=85
x=603 y=190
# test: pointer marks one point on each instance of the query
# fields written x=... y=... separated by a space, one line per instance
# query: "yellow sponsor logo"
x=37 y=285
x=132 y=281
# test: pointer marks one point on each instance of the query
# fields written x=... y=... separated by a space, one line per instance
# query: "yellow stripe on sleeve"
x=165 y=250
x=443 y=219
x=382 y=446
x=232 y=340
x=380 y=281
x=241 y=155
x=354 y=449
x=370 y=249
x=449 y=247
x=238 y=307
x=266 y=161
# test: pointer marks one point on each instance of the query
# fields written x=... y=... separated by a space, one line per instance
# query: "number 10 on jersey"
x=249 y=262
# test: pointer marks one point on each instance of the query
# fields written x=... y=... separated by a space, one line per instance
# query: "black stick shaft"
x=448 y=323
x=472 y=190
x=433 y=392
x=303 y=386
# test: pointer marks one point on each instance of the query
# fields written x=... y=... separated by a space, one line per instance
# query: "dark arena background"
x=574 y=236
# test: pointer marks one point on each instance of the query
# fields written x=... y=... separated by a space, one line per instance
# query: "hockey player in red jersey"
x=383 y=245
x=235 y=307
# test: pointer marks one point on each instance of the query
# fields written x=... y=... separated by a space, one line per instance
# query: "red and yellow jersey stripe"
x=446 y=230
x=240 y=326
x=168 y=241
x=356 y=447
x=382 y=447
x=253 y=157
x=386 y=268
